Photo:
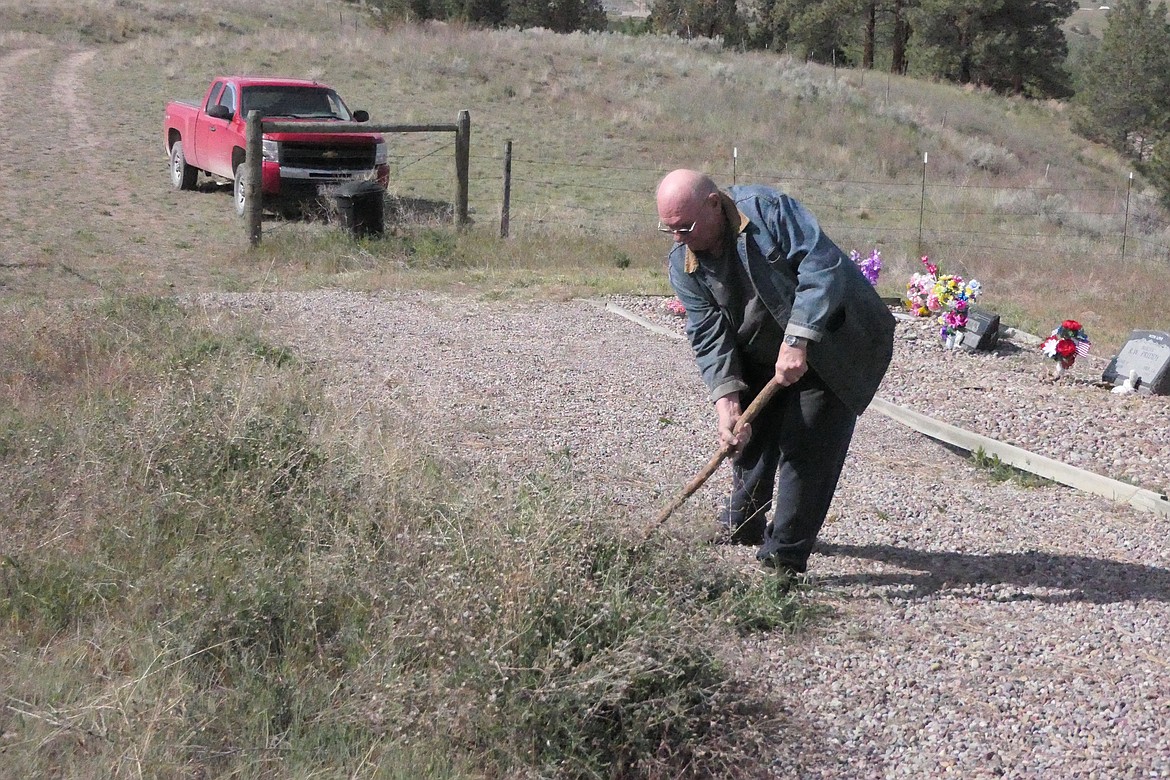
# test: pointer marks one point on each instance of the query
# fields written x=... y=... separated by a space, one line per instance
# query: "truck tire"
x=239 y=190
x=183 y=176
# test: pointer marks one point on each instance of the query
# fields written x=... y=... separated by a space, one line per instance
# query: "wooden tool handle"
x=758 y=403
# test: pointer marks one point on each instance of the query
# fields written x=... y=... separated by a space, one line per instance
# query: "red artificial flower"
x=1066 y=348
x=1071 y=325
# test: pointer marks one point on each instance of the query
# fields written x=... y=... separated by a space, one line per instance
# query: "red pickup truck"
x=208 y=137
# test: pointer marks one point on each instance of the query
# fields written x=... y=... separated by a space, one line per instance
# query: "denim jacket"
x=808 y=284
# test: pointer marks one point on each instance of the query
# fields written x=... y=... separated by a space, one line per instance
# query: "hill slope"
x=1009 y=196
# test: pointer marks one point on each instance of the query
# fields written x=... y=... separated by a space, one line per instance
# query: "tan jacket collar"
x=734 y=217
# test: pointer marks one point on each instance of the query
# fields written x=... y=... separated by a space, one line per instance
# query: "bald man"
x=767 y=294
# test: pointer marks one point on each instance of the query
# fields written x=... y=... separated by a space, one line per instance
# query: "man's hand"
x=729 y=413
x=791 y=364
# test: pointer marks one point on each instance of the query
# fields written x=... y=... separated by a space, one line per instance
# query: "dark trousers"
x=798 y=446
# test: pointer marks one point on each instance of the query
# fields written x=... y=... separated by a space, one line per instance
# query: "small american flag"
x=1083 y=347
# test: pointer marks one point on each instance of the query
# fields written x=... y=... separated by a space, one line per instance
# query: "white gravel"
x=983 y=629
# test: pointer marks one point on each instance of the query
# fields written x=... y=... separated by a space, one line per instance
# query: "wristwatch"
x=795 y=341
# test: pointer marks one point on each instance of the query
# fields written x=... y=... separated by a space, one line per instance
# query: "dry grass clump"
x=208 y=572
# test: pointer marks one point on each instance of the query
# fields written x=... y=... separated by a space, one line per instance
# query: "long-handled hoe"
x=758 y=403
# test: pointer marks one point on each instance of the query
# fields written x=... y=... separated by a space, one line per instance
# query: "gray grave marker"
x=1148 y=353
x=982 y=330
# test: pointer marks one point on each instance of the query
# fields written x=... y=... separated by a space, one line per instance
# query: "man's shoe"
x=788 y=568
x=725 y=536
x=749 y=533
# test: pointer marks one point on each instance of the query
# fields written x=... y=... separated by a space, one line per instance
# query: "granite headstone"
x=981 y=330
x=1148 y=353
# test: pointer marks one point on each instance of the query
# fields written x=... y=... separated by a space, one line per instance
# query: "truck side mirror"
x=361 y=116
x=219 y=112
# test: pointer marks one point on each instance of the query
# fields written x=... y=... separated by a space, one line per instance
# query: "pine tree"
x=1157 y=170
x=557 y=15
x=1009 y=45
x=699 y=19
x=1124 y=100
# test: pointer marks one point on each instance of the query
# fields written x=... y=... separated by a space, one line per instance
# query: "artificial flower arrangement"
x=947 y=295
x=918 y=289
x=674 y=306
x=1064 y=345
x=870 y=266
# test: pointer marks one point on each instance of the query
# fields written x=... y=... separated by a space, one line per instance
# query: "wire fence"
x=928 y=216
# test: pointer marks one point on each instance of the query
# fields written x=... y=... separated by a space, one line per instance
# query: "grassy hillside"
x=1009 y=196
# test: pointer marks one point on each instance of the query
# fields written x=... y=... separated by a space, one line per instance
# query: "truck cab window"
x=228 y=98
x=336 y=107
x=300 y=102
x=213 y=95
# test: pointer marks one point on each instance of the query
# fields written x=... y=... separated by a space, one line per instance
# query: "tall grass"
x=208 y=571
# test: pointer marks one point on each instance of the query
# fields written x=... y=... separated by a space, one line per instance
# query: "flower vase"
x=951 y=341
x=1058 y=372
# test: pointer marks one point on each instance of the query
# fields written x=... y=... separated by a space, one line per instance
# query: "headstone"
x=1148 y=353
x=981 y=331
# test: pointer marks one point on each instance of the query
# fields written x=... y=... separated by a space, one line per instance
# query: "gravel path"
x=983 y=629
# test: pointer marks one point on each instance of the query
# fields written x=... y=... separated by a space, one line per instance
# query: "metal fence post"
x=1125 y=224
x=922 y=202
x=505 y=211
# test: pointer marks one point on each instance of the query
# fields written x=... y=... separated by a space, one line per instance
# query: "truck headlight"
x=380 y=153
x=270 y=151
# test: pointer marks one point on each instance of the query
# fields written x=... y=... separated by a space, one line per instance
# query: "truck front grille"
x=328 y=158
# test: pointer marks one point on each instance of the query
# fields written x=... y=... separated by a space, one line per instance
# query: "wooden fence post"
x=252 y=173
x=462 y=153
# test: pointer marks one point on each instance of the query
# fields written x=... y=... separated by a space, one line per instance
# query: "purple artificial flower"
x=870 y=266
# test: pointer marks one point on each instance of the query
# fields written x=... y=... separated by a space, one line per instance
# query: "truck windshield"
x=298 y=102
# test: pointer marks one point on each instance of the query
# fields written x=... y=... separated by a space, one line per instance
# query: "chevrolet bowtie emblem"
x=329 y=155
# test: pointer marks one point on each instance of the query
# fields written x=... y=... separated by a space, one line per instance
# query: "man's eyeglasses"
x=680 y=230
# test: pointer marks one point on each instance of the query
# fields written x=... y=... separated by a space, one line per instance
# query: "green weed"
x=53 y=591
x=998 y=471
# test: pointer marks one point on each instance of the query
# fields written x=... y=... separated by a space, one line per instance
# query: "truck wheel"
x=183 y=176
x=239 y=191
